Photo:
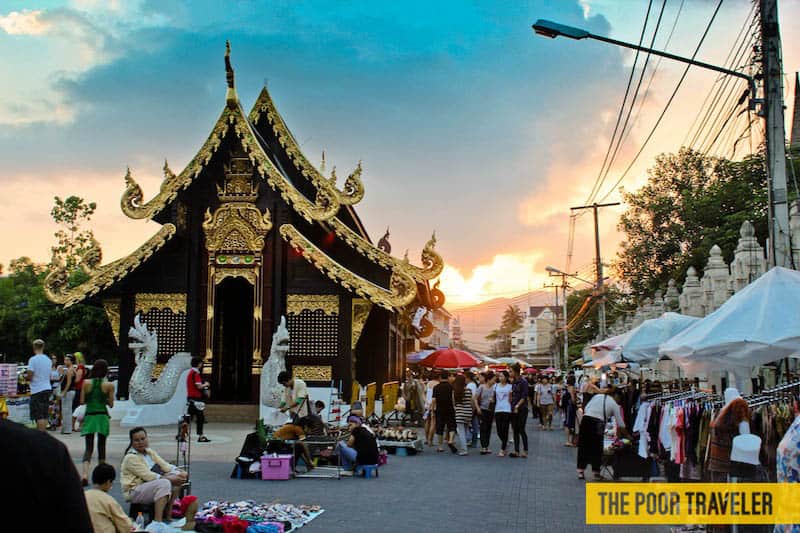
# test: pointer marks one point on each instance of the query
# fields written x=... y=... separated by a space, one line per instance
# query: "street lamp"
x=548 y=28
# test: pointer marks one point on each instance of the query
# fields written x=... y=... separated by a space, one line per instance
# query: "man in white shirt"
x=475 y=425
x=38 y=374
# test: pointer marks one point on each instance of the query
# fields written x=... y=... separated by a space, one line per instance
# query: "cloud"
x=507 y=275
x=24 y=23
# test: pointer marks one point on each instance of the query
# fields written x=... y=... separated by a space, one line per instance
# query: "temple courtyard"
x=424 y=492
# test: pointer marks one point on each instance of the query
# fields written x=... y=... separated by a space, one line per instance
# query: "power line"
x=597 y=181
x=633 y=100
x=666 y=107
x=655 y=69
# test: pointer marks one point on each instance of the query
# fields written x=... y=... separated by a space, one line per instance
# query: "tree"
x=689 y=203
x=512 y=320
x=27 y=314
x=76 y=246
x=583 y=315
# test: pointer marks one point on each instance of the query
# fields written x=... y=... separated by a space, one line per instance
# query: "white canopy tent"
x=642 y=342
x=759 y=324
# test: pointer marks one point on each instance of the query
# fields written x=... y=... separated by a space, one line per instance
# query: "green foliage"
x=586 y=328
x=27 y=314
x=75 y=245
x=689 y=203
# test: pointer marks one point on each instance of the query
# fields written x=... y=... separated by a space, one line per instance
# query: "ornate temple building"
x=251 y=231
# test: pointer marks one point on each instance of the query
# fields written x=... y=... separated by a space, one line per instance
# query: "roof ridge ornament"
x=231 y=96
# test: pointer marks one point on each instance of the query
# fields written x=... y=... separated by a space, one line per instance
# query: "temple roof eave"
x=402 y=290
x=106 y=275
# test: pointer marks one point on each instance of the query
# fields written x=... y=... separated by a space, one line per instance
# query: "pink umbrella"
x=549 y=370
x=450 y=358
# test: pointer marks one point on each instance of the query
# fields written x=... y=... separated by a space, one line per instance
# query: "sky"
x=466 y=122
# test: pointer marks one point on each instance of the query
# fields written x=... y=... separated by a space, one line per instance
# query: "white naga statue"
x=143 y=389
x=272 y=392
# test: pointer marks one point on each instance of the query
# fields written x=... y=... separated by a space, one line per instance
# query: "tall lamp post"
x=553 y=271
x=776 y=175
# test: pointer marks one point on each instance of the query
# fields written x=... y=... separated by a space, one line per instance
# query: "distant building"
x=535 y=341
x=456 y=335
x=441 y=336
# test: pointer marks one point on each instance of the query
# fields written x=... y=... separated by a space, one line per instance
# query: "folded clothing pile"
x=250 y=517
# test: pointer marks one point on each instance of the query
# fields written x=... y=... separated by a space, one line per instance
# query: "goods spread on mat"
x=291 y=516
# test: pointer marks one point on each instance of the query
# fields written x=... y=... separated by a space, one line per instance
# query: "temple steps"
x=231 y=412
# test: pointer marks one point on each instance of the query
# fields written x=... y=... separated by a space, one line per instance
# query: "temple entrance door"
x=233 y=341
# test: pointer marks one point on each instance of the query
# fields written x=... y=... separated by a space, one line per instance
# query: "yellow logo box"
x=693 y=503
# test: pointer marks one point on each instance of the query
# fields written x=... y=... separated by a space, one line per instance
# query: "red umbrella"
x=531 y=370
x=450 y=358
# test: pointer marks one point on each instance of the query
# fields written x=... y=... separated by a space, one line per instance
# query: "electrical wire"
x=666 y=107
x=593 y=191
x=665 y=47
x=633 y=102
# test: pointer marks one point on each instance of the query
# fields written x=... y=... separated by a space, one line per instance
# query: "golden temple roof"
x=325 y=208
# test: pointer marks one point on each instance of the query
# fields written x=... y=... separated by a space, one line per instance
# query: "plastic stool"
x=367 y=471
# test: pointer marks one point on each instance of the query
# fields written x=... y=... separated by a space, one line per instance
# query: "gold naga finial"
x=229 y=75
x=322 y=164
x=333 y=175
x=168 y=174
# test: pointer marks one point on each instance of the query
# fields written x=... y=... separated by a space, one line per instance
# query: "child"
x=106 y=513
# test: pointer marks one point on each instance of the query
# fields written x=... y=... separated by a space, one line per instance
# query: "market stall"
x=757 y=325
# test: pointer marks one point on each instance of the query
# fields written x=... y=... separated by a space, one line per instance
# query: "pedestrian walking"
x=67 y=394
x=519 y=416
x=445 y=412
x=196 y=391
x=568 y=402
x=484 y=407
x=502 y=409
x=474 y=427
x=546 y=395
x=98 y=394
x=430 y=414
x=54 y=411
x=38 y=375
x=462 y=399
x=80 y=377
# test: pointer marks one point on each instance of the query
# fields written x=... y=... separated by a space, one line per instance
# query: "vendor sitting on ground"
x=148 y=479
x=361 y=447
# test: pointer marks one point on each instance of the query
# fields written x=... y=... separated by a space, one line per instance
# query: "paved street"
x=415 y=493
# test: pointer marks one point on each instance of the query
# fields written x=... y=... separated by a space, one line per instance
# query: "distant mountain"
x=478 y=320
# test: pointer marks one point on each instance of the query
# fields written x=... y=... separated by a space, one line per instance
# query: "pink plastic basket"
x=279 y=467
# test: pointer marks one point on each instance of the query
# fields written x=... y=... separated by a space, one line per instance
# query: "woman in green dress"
x=97 y=394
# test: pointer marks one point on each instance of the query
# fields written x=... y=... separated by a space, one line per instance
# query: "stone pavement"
x=426 y=492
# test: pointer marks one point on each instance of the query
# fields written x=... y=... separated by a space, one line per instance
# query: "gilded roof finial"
x=322 y=164
x=383 y=243
x=229 y=76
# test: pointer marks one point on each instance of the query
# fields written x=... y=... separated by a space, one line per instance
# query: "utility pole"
x=599 y=264
x=563 y=286
x=775 y=135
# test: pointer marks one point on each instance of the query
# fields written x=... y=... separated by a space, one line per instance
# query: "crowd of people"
x=461 y=408
x=460 y=411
